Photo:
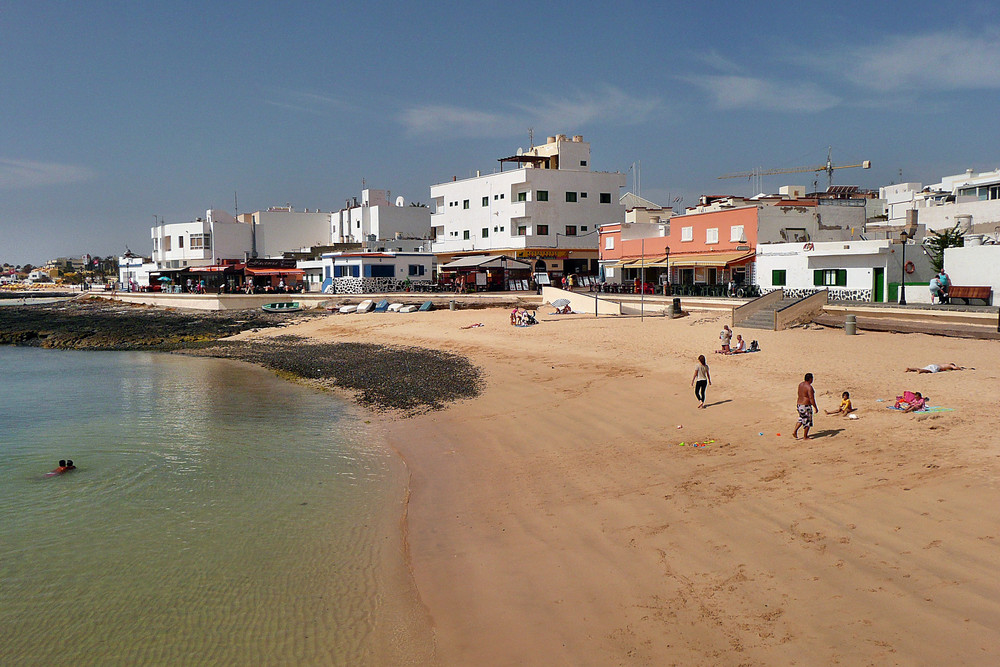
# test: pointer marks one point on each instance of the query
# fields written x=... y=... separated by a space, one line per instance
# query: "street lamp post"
x=667 y=290
x=902 y=271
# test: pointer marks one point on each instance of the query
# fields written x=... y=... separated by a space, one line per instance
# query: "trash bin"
x=451 y=305
x=851 y=325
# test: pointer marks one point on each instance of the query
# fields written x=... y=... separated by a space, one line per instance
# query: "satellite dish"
x=400 y=201
x=520 y=151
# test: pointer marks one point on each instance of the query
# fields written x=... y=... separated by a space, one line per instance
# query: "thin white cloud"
x=304 y=101
x=946 y=60
x=16 y=174
x=442 y=119
x=745 y=92
x=608 y=104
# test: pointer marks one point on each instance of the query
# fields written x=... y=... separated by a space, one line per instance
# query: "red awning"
x=275 y=272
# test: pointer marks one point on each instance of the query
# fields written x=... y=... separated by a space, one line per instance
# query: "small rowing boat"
x=282 y=307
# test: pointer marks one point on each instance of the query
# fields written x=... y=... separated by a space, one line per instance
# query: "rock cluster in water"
x=380 y=377
x=99 y=324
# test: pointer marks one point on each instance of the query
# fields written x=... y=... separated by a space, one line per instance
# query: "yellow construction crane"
x=828 y=168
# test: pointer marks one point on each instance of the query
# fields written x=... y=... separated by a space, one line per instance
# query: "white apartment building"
x=201 y=242
x=969 y=199
x=282 y=229
x=547 y=208
x=375 y=218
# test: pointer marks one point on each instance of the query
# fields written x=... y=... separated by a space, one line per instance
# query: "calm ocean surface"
x=218 y=515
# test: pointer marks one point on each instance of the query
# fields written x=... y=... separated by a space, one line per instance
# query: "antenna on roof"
x=236 y=203
x=531 y=137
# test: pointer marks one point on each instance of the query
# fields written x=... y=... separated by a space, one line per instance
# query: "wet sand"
x=557 y=518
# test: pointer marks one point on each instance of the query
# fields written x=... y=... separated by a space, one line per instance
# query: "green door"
x=878 y=285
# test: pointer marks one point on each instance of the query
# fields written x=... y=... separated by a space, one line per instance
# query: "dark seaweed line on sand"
x=380 y=377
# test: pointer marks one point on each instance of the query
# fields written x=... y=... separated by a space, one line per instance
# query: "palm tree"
x=936 y=242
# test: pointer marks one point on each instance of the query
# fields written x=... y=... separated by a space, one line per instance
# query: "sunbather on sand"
x=936 y=368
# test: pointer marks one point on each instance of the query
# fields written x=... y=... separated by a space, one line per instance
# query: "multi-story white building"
x=282 y=229
x=375 y=218
x=547 y=209
x=201 y=242
x=969 y=200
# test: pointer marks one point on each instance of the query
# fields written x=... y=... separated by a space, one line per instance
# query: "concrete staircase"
x=764 y=319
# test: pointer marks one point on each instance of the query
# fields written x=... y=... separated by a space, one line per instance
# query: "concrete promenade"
x=961 y=321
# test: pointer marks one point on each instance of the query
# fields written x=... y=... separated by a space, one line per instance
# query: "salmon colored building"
x=716 y=242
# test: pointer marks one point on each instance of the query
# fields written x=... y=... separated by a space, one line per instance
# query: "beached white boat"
x=394 y=307
x=365 y=306
x=348 y=309
x=408 y=309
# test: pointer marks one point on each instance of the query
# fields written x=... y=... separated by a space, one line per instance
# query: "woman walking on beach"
x=702 y=378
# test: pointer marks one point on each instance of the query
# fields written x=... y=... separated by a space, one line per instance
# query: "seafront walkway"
x=947 y=320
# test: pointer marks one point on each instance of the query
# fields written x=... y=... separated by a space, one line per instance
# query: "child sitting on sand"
x=911 y=402
x=845 y=406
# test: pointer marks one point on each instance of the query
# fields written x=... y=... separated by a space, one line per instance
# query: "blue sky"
x=113 y=112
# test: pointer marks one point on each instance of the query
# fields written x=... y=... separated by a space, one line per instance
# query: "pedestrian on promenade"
x=701 y=379
x=806 y=405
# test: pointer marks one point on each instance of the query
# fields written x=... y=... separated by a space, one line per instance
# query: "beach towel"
x=927 y=408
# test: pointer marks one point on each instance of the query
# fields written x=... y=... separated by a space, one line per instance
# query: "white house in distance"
x=201 y=242
x=854 y=270
x=375 y=219
x=547 y=209
x=133 y=271
x=281 y=229
x=970 y=200
x=374 y=272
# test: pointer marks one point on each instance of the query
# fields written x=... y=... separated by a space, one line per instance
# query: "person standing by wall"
x=701 y=379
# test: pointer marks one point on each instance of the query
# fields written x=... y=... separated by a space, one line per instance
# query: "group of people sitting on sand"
x=739 y=347
x=520 y=317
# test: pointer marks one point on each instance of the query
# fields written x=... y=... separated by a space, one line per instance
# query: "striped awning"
x=716 y=259
x=647 y=262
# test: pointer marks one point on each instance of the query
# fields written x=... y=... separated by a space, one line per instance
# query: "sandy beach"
x=558 y=519
x=559 y=512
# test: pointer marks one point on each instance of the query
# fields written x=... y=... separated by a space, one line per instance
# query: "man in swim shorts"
x=936 y=368
x=806 y=405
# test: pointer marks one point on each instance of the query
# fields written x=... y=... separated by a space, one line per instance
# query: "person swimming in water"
x=64 y=466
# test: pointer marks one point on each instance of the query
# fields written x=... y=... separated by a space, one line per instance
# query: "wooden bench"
x=966 y=292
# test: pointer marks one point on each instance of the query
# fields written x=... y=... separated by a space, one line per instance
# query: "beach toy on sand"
x=679 y=426
x=761 y=433
x=779 y=435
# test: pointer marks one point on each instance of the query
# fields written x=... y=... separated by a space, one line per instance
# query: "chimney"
x=577 y=138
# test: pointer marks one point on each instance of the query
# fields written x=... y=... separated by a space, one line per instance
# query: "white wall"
x=974 y=265
x=281 y=231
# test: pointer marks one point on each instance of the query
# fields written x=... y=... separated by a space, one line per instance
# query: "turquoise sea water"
x=218 y=515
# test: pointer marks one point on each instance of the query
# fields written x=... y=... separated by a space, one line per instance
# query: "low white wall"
x=582 y=302
x=974 y=265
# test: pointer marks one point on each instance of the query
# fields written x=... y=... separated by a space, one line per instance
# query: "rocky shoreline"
x=379 y=377
x=100 y=324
